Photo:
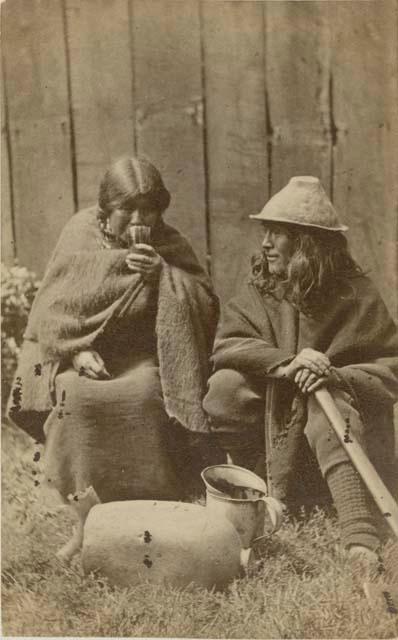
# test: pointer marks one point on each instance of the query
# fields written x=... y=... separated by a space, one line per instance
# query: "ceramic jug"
x=161 y=542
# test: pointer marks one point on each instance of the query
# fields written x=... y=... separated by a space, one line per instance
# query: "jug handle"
x=275 y=510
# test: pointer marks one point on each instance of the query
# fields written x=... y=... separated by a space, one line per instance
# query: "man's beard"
x=278 y=274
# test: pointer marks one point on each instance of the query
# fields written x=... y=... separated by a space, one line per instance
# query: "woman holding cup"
x=121 y=329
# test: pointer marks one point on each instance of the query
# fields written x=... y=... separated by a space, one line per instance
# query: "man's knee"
x=223 y=389
x=231 y=398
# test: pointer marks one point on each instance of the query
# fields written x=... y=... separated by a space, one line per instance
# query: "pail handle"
x=275 y=509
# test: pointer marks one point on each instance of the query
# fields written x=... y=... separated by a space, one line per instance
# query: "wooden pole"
x=366 y=470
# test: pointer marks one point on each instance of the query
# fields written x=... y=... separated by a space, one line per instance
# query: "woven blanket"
x=85 y=287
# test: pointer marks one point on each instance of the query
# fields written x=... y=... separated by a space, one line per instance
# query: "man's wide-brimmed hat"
x=304 y=202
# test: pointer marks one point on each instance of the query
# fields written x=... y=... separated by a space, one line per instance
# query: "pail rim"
x=247 y=478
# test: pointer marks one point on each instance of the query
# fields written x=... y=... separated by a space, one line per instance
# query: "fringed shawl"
x=85 y=288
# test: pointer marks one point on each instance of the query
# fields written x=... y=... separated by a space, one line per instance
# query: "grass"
x=303 y=587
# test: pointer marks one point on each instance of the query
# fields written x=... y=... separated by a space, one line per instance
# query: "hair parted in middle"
x=320 y=267
x=131 y=182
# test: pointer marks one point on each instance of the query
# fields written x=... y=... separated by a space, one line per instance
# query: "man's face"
x=277 y=248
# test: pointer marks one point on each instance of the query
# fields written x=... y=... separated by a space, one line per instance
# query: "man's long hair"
x=320 y=268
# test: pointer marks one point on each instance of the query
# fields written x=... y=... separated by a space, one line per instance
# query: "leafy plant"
x=18 y=289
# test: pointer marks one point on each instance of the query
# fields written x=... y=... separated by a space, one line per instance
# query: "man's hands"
x=308 y=382
x=91 y=365
x=145 y=261
x=314 y=361
x=310 y=370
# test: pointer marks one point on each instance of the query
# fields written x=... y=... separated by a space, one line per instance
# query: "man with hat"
x=307 y=317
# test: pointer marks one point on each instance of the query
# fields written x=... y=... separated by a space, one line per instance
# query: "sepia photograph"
x=199 y=308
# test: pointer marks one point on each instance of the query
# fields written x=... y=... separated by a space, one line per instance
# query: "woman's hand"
x=90 y=364
x=145 y=261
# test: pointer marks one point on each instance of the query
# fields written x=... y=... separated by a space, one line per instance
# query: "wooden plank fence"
x=228 y=98
x=36 y=89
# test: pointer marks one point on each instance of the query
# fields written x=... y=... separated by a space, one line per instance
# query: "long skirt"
x=112 y=435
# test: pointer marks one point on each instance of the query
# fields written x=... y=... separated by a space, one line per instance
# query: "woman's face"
x=120 y=220
x=277 y=248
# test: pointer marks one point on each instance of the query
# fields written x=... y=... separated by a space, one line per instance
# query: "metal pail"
x=241 y=496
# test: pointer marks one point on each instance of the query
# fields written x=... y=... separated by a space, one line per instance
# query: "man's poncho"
x=260 y=332
x=87 y=287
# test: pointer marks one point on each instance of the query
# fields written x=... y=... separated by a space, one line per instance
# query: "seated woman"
x=307 y=317
x=117 y=345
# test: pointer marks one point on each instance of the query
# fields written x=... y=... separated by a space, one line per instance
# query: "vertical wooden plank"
x=297 y=68
x=233 y=39
x=166 y=39
x=36 y=85
x=365 y=113
x=98 y=35
x=7 y=233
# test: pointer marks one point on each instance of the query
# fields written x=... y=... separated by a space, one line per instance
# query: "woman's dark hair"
x=320 y=268
x=131 y=182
